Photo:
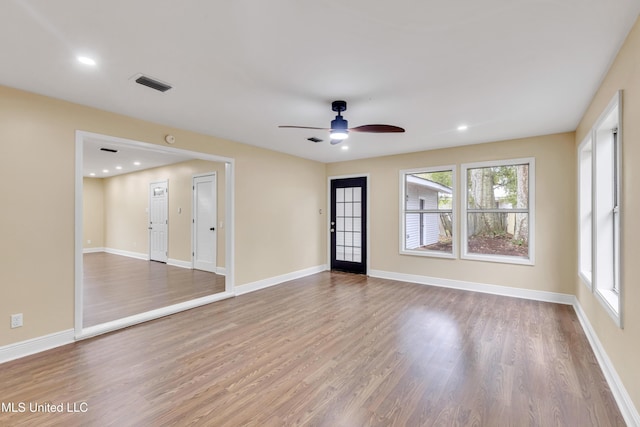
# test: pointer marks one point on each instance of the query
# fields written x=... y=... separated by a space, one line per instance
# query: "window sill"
x=499 y=258
x=610 y=301
x=586 y=279
x=432 y=254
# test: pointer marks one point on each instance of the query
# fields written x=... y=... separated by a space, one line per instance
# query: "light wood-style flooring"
x=117 y=286
x=332 y=349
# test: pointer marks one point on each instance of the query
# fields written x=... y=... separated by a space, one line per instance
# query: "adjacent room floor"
x=117 y=286
x=331 y=349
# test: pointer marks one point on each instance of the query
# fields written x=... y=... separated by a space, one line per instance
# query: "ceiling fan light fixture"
x=339 y=128
x=339 y=134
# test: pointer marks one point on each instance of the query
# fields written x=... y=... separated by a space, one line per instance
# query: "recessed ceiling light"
x=136 y=163
x=105 y=170
x=462 y=128
x=86 y=60
x=119 y=167
x=345 y=147
x=92 y=174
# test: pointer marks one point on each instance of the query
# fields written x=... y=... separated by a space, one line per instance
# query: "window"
x=599 y=238
x=427 y=212
x=585 y=209
x=498 y=211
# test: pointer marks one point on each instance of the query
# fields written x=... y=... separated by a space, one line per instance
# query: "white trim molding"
x=136 y=255
x=35 y=345
x=507 y=291
x=277 y=280
x=139 y=255
x=92 y=250
x=179 y=263
x=620 y=394
x=221 y=271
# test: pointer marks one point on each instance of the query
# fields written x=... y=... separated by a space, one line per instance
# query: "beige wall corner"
x=555 y=231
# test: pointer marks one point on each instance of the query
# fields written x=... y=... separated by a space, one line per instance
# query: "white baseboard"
x=273 y=281
x=137 y=255
x=620 y=394
x=179 y=263
x=92 y=250
x=477 y=287
x=35 y=345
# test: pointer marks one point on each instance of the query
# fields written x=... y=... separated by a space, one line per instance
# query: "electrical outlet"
x=16 y=320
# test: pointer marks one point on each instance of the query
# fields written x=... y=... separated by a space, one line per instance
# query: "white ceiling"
x=127 y=158
x=506 y=68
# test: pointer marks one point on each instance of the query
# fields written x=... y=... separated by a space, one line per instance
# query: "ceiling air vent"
x=152 y=83
x=314 y=139
x=110 y=150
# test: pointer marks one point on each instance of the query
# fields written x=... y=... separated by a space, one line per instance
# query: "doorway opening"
x=179 y=217
x=158 y=220
x=348 y=227
x=205 y=234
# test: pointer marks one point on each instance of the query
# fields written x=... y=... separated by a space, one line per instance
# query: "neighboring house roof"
x=412 y=179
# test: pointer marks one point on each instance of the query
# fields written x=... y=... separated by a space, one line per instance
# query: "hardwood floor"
x=331 y=349
x=117 y=286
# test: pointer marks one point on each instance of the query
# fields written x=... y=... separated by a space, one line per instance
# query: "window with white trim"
x=427 y=212
x=602 y=188
x=585 y=209
x=498 y=211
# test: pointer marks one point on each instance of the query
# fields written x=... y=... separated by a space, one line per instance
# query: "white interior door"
x=204 y=222
x=158 y=220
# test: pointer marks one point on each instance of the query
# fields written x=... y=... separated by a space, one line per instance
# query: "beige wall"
x=554 y=228
x=127 y=201
x=277 y=198
x=93 y=213
x=622 y=345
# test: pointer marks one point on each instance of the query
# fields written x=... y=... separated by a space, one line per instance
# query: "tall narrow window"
x=427 y=212
x=498 y=213
x=606 y=208
x=585 y=209
x=616 y=211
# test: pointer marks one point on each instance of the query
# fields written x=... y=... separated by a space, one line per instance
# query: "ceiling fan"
x=340 y=129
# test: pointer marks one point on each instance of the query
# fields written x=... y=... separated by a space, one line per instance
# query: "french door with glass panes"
x=348 y=225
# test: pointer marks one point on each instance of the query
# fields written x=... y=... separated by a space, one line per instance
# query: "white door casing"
x=158 y=220
x=205 y=234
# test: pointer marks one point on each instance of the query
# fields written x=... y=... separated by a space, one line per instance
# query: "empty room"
x=328 y=213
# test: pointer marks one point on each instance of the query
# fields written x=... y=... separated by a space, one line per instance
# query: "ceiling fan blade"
x=303 y=127
x=377 y=129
